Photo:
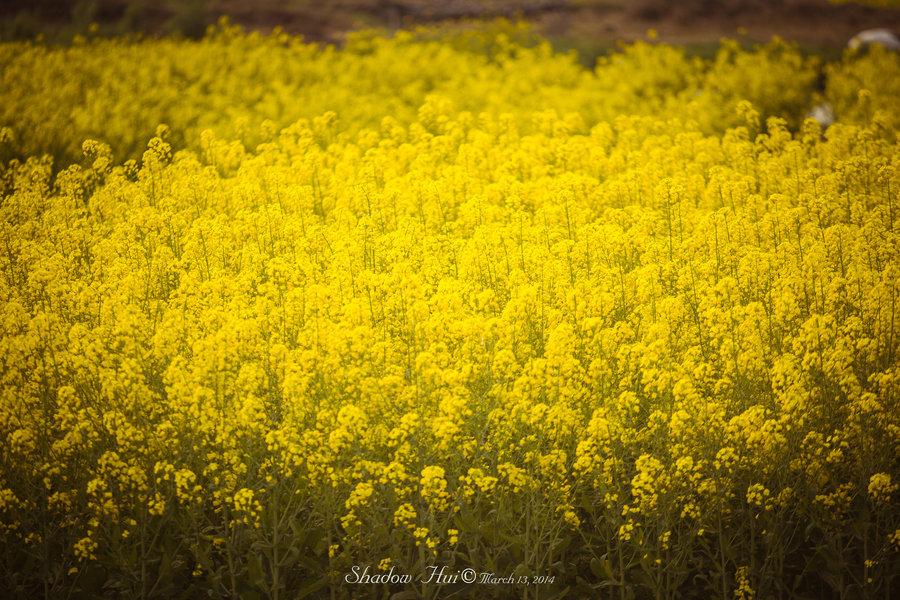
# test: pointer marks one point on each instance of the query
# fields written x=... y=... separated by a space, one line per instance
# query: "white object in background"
x=880 y=36
x=823 y=113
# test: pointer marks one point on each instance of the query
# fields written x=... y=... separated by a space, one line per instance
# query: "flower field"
x=274 y=314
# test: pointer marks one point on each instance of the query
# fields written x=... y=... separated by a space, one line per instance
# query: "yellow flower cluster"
x=233 y=91
x=743 y=591
x=454 y=299
x=434 y=488
x=881 y=488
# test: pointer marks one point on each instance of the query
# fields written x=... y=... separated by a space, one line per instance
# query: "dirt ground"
x=809 y=22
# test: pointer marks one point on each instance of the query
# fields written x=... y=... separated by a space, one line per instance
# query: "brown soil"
x=812 y=22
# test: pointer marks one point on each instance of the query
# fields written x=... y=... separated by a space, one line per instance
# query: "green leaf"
x=290 y=558
x=310 y=587
x=601 y=568
x=522 y=570
x=561 y=545
x=256 y=572
x=299 y=533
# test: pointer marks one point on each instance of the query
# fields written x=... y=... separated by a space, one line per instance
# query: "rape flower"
x=881 y=488
x=339 y=292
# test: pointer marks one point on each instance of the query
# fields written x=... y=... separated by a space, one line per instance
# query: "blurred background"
x=590 y=27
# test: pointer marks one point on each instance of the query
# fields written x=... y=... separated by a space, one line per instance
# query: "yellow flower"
x=881 y=488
